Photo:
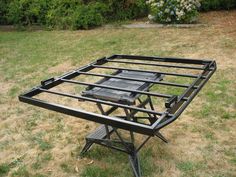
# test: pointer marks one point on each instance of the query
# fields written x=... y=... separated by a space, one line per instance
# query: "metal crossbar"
x=147 y=71
x=132 y=79
x=118 y=88
x=154 y=64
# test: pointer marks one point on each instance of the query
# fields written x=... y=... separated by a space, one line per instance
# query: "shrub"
x=3 y=11
x=126 y=9
x=73 y=14
x=27 y=12
x=173 y=11
x=217 y=4
x=60 y=13
x=90 y=15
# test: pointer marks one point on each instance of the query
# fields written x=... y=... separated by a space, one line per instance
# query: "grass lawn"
x=37 y=143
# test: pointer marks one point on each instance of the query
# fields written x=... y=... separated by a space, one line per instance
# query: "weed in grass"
x=185 y=166
x=94 y=170
x=112 y=42
x=30 y=123
x=205 y=111
x=147 y=163
x=231 y=153
x=4 y=169
x=97 y=153
x=66 y=167
x=233 y=160
x=47 y=157
x=106 y=155
x=195 y=129
x=42 y=160
x=209 y=135
x=212 y=96
x=37 y=165
x=76 y=151
x=38 y=175
x=43 y=144
x=222 y=85
x=60 y=125
x=19 y=110
x=4 y=144
x=21 y=172
x=17 y=161
x=223 y=175
x=189 y=168
x=227 y=115
x=13 y=92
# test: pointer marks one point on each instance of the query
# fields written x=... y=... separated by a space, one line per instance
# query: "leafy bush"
x=90 y=15
x=72 y=14
x=126 y=9
x=27 y=12
x=173 y=11
x=4 y=5
x=217 y=4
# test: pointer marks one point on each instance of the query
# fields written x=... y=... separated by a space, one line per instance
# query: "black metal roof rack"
x=132 y=87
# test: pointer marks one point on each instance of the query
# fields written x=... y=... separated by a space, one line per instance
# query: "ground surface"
x=35 y=142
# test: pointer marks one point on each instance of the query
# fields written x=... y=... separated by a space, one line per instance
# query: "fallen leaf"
x=76 y=169
x=90 y=162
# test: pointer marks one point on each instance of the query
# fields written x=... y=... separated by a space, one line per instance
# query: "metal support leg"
x=103 y=112
x=151 y=104
x=134 y=161
x=152 y=118
x=86 y=147
x=159 y=135
x=128 y=117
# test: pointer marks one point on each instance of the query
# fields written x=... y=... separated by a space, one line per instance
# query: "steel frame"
x=174 y=104
x=172 y=112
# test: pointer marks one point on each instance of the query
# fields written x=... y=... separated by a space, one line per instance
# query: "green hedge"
x=69 y=14
x=4 y=6
x=217 y=4
x=26 y=12
x=77 y=14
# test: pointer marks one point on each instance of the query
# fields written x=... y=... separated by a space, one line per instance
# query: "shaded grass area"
x=35 y=142
x=117 y=164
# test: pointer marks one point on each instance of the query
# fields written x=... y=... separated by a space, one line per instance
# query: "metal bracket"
x=101 y=61
x=159 y=135
x=45 y=82
x=171 y=101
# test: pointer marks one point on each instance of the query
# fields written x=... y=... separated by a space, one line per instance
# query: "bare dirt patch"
x=62 y=67
x=5 y=87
